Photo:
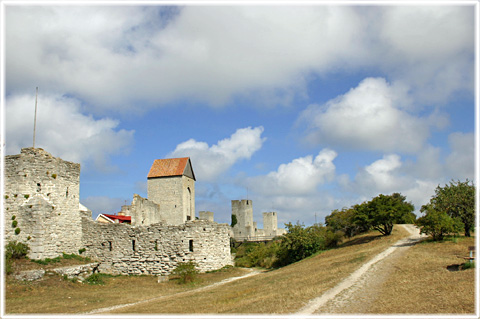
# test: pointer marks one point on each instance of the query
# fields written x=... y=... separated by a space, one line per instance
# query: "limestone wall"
x=158 y=248
x=143 y=212
x=177 y=203
x=203 y=215
x=42 y=198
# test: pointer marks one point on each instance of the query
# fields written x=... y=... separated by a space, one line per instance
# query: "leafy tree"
x=383 y=211
x=457 y=200
x=344 y=221
x=438 y=223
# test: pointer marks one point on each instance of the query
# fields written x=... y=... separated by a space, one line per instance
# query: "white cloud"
x=209 y=162
x=460 y=163
x=63 y=130
x=430 y=47
x=367 y=117
x=117 y=56
x=299 y=177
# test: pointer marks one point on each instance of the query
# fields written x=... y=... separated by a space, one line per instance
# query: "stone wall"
x=176 y=197
x=42 y=200
x=203 y=215
x=156 y=249
x=246 y=228
x=143 y=212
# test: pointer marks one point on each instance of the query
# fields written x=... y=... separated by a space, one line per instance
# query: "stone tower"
x=42 y=201
x=243 y=210
x=171 y=184
x=270 y=224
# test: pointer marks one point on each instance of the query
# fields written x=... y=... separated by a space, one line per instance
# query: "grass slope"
x=283 y=290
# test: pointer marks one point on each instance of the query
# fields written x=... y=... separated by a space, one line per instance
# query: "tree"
x=383 y=211
x=344 y=221
x=438 y=223
x=457 y=200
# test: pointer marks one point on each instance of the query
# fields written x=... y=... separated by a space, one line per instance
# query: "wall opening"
x=190 y=245
x=110 y=245
x=189 y=203
x=133 y=244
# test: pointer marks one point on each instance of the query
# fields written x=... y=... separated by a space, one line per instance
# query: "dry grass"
x=421 y=283
x=279 y=291
x=424 y=285
x=53 y=294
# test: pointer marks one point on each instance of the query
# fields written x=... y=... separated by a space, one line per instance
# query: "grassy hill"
x=282 y=290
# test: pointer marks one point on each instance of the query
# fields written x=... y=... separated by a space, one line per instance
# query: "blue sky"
x=304 y=109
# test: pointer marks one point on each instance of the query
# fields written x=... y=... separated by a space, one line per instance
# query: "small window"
x=189 y=217
x=133 y=244
x=190 y=245
x=110 y=245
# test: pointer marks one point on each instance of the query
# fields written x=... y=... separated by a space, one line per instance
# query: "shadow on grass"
x=360 y=241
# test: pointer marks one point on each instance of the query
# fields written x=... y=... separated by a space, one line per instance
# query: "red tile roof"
x=121 y=219
x=168 y=167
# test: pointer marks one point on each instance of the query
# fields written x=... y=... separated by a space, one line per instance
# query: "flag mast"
x=35 y=118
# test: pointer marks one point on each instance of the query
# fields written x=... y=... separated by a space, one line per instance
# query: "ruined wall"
x=158 y=248
x=143 y=211
x=173 y=195
x=203 y=215
x=42 y=192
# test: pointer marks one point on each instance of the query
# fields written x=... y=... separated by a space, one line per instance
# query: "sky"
x=302 y=109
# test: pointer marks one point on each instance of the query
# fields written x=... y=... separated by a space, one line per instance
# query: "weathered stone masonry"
x=157 y=249
x=42 y=194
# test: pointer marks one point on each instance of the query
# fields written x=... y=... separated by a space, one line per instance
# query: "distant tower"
x=270 y=224
x=171 y=184
x=243 y=210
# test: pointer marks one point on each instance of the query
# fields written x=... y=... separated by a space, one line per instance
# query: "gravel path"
x=355 y=292
x=252 y=272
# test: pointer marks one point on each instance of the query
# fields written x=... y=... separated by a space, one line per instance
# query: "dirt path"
x=252 y=272
x=356 y=292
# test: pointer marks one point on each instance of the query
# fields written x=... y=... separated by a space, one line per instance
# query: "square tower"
x=171 y=184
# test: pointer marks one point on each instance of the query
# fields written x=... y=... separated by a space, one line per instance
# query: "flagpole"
x=35 y=118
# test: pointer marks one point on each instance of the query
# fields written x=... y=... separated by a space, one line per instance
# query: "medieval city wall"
x=156 y=249
x=41 y=203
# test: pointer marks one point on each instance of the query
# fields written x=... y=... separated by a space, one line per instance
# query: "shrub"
x=13 y=217
x=234 y=220
x=186 y=271
x=16 y=250
x=26 y=196
x=6 y=196
x=14 y=224
x=17 y=230
x=468 y=265
x=82 y=250
x=95 y=279
x=54 y=176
